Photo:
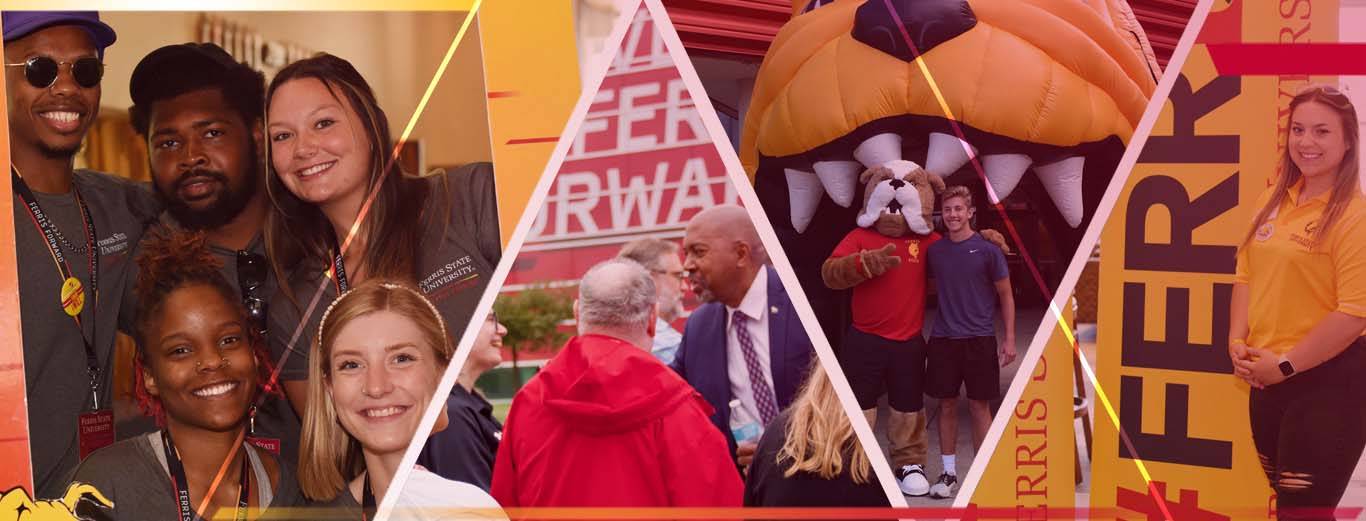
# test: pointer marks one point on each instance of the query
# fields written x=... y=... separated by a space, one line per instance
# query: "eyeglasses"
x=251 y=278
x=680 y=274
x=41 y=71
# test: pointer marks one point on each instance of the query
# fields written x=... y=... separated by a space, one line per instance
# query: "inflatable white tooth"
x=840 y=179
x=947 y=154
x=1062 y=180
x=803 y=196
x=878 y=150
x=1003 y=173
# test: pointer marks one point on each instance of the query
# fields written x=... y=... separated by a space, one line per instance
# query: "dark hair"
x=242 y=87
x=298 y=231
x=172 y=260
x=1345 y=186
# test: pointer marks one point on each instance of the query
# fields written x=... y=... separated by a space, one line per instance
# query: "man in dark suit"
x=745 y=349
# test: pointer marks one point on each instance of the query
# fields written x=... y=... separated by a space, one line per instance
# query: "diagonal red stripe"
x=528 y=140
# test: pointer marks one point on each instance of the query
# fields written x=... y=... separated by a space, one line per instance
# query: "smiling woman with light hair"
x=1298 y=309
x=380 y=352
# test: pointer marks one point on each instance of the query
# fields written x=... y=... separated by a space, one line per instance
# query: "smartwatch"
x=1286 y=368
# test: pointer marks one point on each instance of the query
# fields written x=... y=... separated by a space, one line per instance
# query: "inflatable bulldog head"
x=1052 y=86
x=899 y=198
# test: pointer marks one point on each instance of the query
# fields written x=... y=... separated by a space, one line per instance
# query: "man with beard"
x=744 y=349
x=74 y=230
x=200 y=112
x=661 y=258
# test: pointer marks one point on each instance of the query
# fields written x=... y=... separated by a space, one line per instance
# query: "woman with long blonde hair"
x=1298 y=310
x=809 y=455
x=379 y=354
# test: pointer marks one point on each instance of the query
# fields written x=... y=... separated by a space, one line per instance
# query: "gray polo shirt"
x=54 y=352
x=453 y=267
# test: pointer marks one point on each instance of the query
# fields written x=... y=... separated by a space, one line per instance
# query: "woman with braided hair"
x=376 y=360
x=199 y=371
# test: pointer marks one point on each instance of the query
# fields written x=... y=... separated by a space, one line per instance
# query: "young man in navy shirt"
x=971 y=277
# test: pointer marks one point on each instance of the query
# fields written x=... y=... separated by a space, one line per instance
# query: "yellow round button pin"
x=73 y=296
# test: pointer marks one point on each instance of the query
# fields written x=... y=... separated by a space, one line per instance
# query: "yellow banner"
x=1167 y=273
x=531 y=74
x=1034 y=465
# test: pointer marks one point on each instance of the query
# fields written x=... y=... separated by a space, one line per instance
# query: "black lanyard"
x=367 y=500
x=182 y=486
x=50 y=233
x=338 y=269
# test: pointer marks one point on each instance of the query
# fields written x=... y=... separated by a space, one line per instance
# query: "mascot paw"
x=995 y=237
x=15 y=505
x=881 y=260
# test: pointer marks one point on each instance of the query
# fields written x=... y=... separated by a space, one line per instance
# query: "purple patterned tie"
x=763 y=396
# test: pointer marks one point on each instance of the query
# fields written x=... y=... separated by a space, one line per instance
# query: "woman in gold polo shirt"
x=1299 y=310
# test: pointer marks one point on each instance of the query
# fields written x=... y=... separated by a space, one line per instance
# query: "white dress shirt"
x=754 y=306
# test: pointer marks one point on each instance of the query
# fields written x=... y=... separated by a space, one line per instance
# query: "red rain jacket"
x=605 y=424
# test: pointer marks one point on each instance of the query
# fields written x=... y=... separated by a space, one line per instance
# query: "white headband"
x=386 y=285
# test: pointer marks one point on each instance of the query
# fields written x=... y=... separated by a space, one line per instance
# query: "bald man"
x=605 y=424
x=744 y=349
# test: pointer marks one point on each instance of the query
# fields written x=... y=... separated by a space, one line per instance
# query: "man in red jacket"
x=605 y=424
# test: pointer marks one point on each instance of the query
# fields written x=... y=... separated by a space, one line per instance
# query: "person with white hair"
x=604 y=423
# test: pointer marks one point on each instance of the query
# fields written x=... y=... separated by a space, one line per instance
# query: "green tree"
x=532 y=318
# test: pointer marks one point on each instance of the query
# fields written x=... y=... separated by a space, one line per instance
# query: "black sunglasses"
x=41 y=71
x=251 y=278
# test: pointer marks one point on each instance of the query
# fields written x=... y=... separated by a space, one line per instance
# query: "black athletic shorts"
x=955 y=362
x=876 y=365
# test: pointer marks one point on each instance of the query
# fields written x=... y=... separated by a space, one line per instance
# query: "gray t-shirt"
x=133 y=474
x=275 y=418
x=54 y=350
x=453 y=268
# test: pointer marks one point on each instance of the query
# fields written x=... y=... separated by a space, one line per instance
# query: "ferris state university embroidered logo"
x=450 y=278
x=913 y=249
x=15 y=505
x=1307 y=240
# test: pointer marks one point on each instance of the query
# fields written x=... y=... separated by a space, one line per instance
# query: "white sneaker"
x=912 y=480
x=944 y=488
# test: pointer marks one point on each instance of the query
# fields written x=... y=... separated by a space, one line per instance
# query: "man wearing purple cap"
x=74 y=231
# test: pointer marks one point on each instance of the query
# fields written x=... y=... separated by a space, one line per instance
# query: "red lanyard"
x=367 y=500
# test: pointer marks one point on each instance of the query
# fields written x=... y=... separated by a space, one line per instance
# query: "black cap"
x=202 y=60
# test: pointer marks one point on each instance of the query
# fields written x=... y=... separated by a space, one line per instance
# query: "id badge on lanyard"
x=271 y=445
x=94 y=427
